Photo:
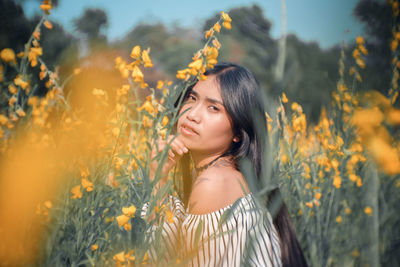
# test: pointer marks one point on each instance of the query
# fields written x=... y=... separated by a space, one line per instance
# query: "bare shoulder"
x=215 y=189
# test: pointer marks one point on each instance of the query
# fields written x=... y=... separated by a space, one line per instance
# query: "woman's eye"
x=190 y=98
x=214 y=108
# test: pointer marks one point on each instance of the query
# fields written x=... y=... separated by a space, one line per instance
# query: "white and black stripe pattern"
x=246 y=238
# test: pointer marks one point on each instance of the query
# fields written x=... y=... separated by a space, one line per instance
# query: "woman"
x=217 y=129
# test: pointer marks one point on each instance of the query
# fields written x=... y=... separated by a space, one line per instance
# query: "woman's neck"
x=201 y=160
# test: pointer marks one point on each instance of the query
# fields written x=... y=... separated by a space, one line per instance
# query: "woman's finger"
x=181 y=145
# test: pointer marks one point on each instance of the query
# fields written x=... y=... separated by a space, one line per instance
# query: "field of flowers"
x=73 y=180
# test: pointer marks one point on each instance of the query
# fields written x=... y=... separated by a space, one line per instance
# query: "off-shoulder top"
x=240 y=234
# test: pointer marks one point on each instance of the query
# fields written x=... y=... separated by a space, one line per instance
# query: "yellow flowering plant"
x=89 y=170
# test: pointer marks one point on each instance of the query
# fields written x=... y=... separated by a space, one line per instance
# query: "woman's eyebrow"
x=214 y=101
x=208 y=99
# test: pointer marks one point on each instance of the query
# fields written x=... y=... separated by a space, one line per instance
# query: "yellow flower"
x=359 y=182
x=3 y=119
x=339 y=219
x=20 y=112
x=160 y=85
x=36 y=34
x=12 y=89
x=48 y=25
x=94 y=247
x=393 y=45
x=209 y=33
x=163 y=133
x=197 y=64
x=368 y=210
x=217 y=27
x=87 y=185
x=212 y=53
x=284 y=98
x=309 y=204
x=363 y=50
x=136 y=51
x=300 y=212
x=360 y=63
x=133 y=165
x=386 y=155
x=393 y=116
x=147 y=106
x=318 y=195
x=137 y=74
x=129 y=211
x=42 y=75
x=284 y=158
x=227 y=25
x=337 y=181
x=48 y=204
x=353 y=177
x=225 y=16
x=12 y=101
x=359 y=40
x=109 y=219
x=76 y=192
x=355 y=253
x=84 y=171
x=146 y=121
x=20 y=82
x=296 y=107
x=164 y=121
x=128 y=227
x=216 y=44
x=77 y=71
x=356 y=53
x=122 y=220
x=367 y=118
x=46 y=6
x=34 y=52
x=146 y=59
x=335 y=163
x=181 y=74
x=129 y=255
x=120 y=257
x=348 y=210
x=7 y=55
x=346 y=108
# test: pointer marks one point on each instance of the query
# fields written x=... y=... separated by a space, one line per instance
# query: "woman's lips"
x=187 y=130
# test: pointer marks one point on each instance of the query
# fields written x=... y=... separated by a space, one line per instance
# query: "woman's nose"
x=193 y=114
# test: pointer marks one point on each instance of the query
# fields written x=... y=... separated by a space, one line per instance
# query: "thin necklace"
x=205 y=166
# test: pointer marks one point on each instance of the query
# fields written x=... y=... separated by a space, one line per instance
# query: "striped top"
x=236 y=235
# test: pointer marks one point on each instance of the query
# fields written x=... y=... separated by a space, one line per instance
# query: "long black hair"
x=243 y=102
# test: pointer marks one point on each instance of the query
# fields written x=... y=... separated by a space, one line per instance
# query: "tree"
x=92 y=24
x=378 y=22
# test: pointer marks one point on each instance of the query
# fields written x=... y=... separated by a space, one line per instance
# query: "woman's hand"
x=176 y=150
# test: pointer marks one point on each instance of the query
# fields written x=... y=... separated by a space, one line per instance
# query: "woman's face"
x=205 y=127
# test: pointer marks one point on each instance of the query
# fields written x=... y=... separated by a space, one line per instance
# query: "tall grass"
x=73 y=183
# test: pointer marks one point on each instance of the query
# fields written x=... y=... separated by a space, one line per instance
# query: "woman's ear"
x=236 y=139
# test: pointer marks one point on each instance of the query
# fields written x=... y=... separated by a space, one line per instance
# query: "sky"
x=328 y=22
